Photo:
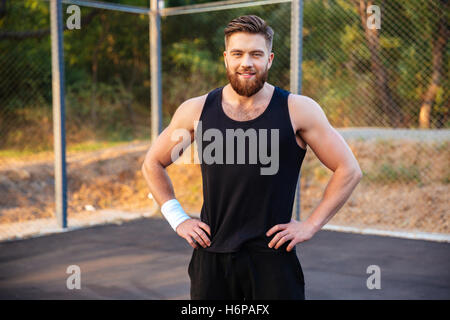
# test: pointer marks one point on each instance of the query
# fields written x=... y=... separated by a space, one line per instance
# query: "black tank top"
x=242 y=200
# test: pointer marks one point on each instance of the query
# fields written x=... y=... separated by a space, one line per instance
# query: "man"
x=244 y=242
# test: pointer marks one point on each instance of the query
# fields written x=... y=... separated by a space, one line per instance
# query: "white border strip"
x=439 y=237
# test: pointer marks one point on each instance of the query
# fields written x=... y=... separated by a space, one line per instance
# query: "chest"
x=243 y=113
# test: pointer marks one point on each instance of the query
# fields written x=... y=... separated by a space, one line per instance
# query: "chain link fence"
x=385 y=90
x=25 y=113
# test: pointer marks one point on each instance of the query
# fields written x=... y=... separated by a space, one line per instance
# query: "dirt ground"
x=405 y=185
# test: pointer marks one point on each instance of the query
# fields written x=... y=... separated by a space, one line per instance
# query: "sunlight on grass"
x=71 y=149
x=94 y=145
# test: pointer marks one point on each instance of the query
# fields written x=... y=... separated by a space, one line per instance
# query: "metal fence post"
x=155 y=67
x=296 y=71
x=58 y=111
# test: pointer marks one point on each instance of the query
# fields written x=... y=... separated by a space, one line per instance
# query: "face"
x=248 y=61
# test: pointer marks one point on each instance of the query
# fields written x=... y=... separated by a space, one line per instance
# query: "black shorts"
x=246 y=275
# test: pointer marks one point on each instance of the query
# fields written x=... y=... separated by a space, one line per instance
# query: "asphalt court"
x=145 y=259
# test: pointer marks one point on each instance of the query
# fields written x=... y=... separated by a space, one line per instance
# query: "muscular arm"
x=160 y=155
x=311 y=126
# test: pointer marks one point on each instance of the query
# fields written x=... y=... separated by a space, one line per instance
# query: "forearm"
x=162 y=191
x=158 y=182
x=337 y=192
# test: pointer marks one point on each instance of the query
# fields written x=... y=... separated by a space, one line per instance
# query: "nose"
x=246 y=61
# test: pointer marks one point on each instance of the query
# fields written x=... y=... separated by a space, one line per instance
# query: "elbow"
x=146 y=165
x=143 y=168
x=354 y=173
x=358 y=174
x=144 y=172
x=150 y=165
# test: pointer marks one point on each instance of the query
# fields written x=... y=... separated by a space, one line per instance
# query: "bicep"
x=327 y=144
x=174 y=139
x=168 y=147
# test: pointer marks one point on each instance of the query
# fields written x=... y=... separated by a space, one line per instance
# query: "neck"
x=235 y=99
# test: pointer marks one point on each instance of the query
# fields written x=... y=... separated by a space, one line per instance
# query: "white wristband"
x=174 y=213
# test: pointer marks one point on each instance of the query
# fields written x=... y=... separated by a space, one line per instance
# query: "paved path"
x=367 y=133
x=145 y=259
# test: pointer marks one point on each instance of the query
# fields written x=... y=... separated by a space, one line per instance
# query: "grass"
x=389 y=173
x=92 y=145
x=11 y=153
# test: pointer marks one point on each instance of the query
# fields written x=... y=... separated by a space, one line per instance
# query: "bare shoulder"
x=189 y=112
x=314 y=128
x=305 y=113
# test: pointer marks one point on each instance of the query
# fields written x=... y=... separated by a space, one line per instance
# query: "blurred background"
x=385 y=90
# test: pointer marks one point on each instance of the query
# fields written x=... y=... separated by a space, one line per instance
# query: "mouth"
x=246 y=75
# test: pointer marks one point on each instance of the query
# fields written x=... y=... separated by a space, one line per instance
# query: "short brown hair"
x=250 y=24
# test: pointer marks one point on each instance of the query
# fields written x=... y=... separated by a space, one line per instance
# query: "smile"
x=246 y=75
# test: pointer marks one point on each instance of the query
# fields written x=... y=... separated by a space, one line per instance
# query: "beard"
x=247 y=87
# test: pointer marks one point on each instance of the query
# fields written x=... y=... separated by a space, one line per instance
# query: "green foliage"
x=189 y=56
x=107 y=68
x=100 y=109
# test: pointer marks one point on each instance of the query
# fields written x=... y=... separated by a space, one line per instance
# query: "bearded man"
x=244 y=244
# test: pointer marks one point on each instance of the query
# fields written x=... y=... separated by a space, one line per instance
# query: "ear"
x=271 y=56
x=225 y=59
